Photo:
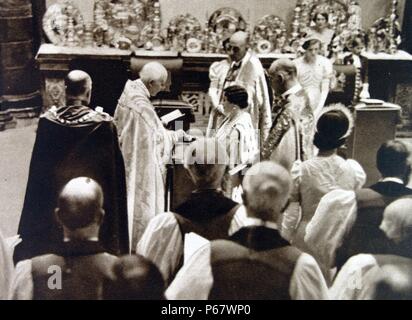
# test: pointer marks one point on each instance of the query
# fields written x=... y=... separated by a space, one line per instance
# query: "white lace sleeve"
x=216 y=71
x=360 y=175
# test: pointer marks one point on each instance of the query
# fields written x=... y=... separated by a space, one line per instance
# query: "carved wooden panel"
x=54 y=92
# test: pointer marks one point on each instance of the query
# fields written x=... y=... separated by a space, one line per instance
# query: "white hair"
x=267 y=186
x=398 y=214
x=206 y=159
x=153 y=71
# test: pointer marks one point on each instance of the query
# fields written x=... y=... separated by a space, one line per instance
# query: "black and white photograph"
x=224 y=150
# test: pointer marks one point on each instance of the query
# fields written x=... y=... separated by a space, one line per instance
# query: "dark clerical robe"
x=72 y=142
x=78 y=272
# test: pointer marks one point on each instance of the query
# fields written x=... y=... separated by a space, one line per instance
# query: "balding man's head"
x=206 y=160
x=266 y=186
x=282 y=74
x=78 y=86
x=154 y=76
x=80 y=204
x=397 y=220
x=283 y=66
x=238 y=45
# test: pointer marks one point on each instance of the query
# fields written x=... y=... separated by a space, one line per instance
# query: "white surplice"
x=194 y=281
x=162 y=241
x=146 y=147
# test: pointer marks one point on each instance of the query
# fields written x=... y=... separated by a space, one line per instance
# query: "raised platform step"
x=19 y=117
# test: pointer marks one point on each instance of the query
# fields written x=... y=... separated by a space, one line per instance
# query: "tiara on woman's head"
x=346 y=112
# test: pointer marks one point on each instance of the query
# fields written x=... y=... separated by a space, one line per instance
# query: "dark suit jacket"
x=365 y=235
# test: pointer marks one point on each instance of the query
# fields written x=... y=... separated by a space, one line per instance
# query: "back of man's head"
x=266 y=187
x=80 y=204
x=78 y=84
x=397 y=220
x=206 y=160
x=392 y=159
x=134 y=278
x=283 y=66
x=153 y=71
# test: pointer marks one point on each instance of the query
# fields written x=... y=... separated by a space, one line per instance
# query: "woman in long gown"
x=236 y=132
x=327 y=171
x=315 y=73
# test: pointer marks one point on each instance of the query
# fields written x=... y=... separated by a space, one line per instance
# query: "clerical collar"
x=295 y=89
x=260 y=222
x=392 y=179
x=146 y=91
